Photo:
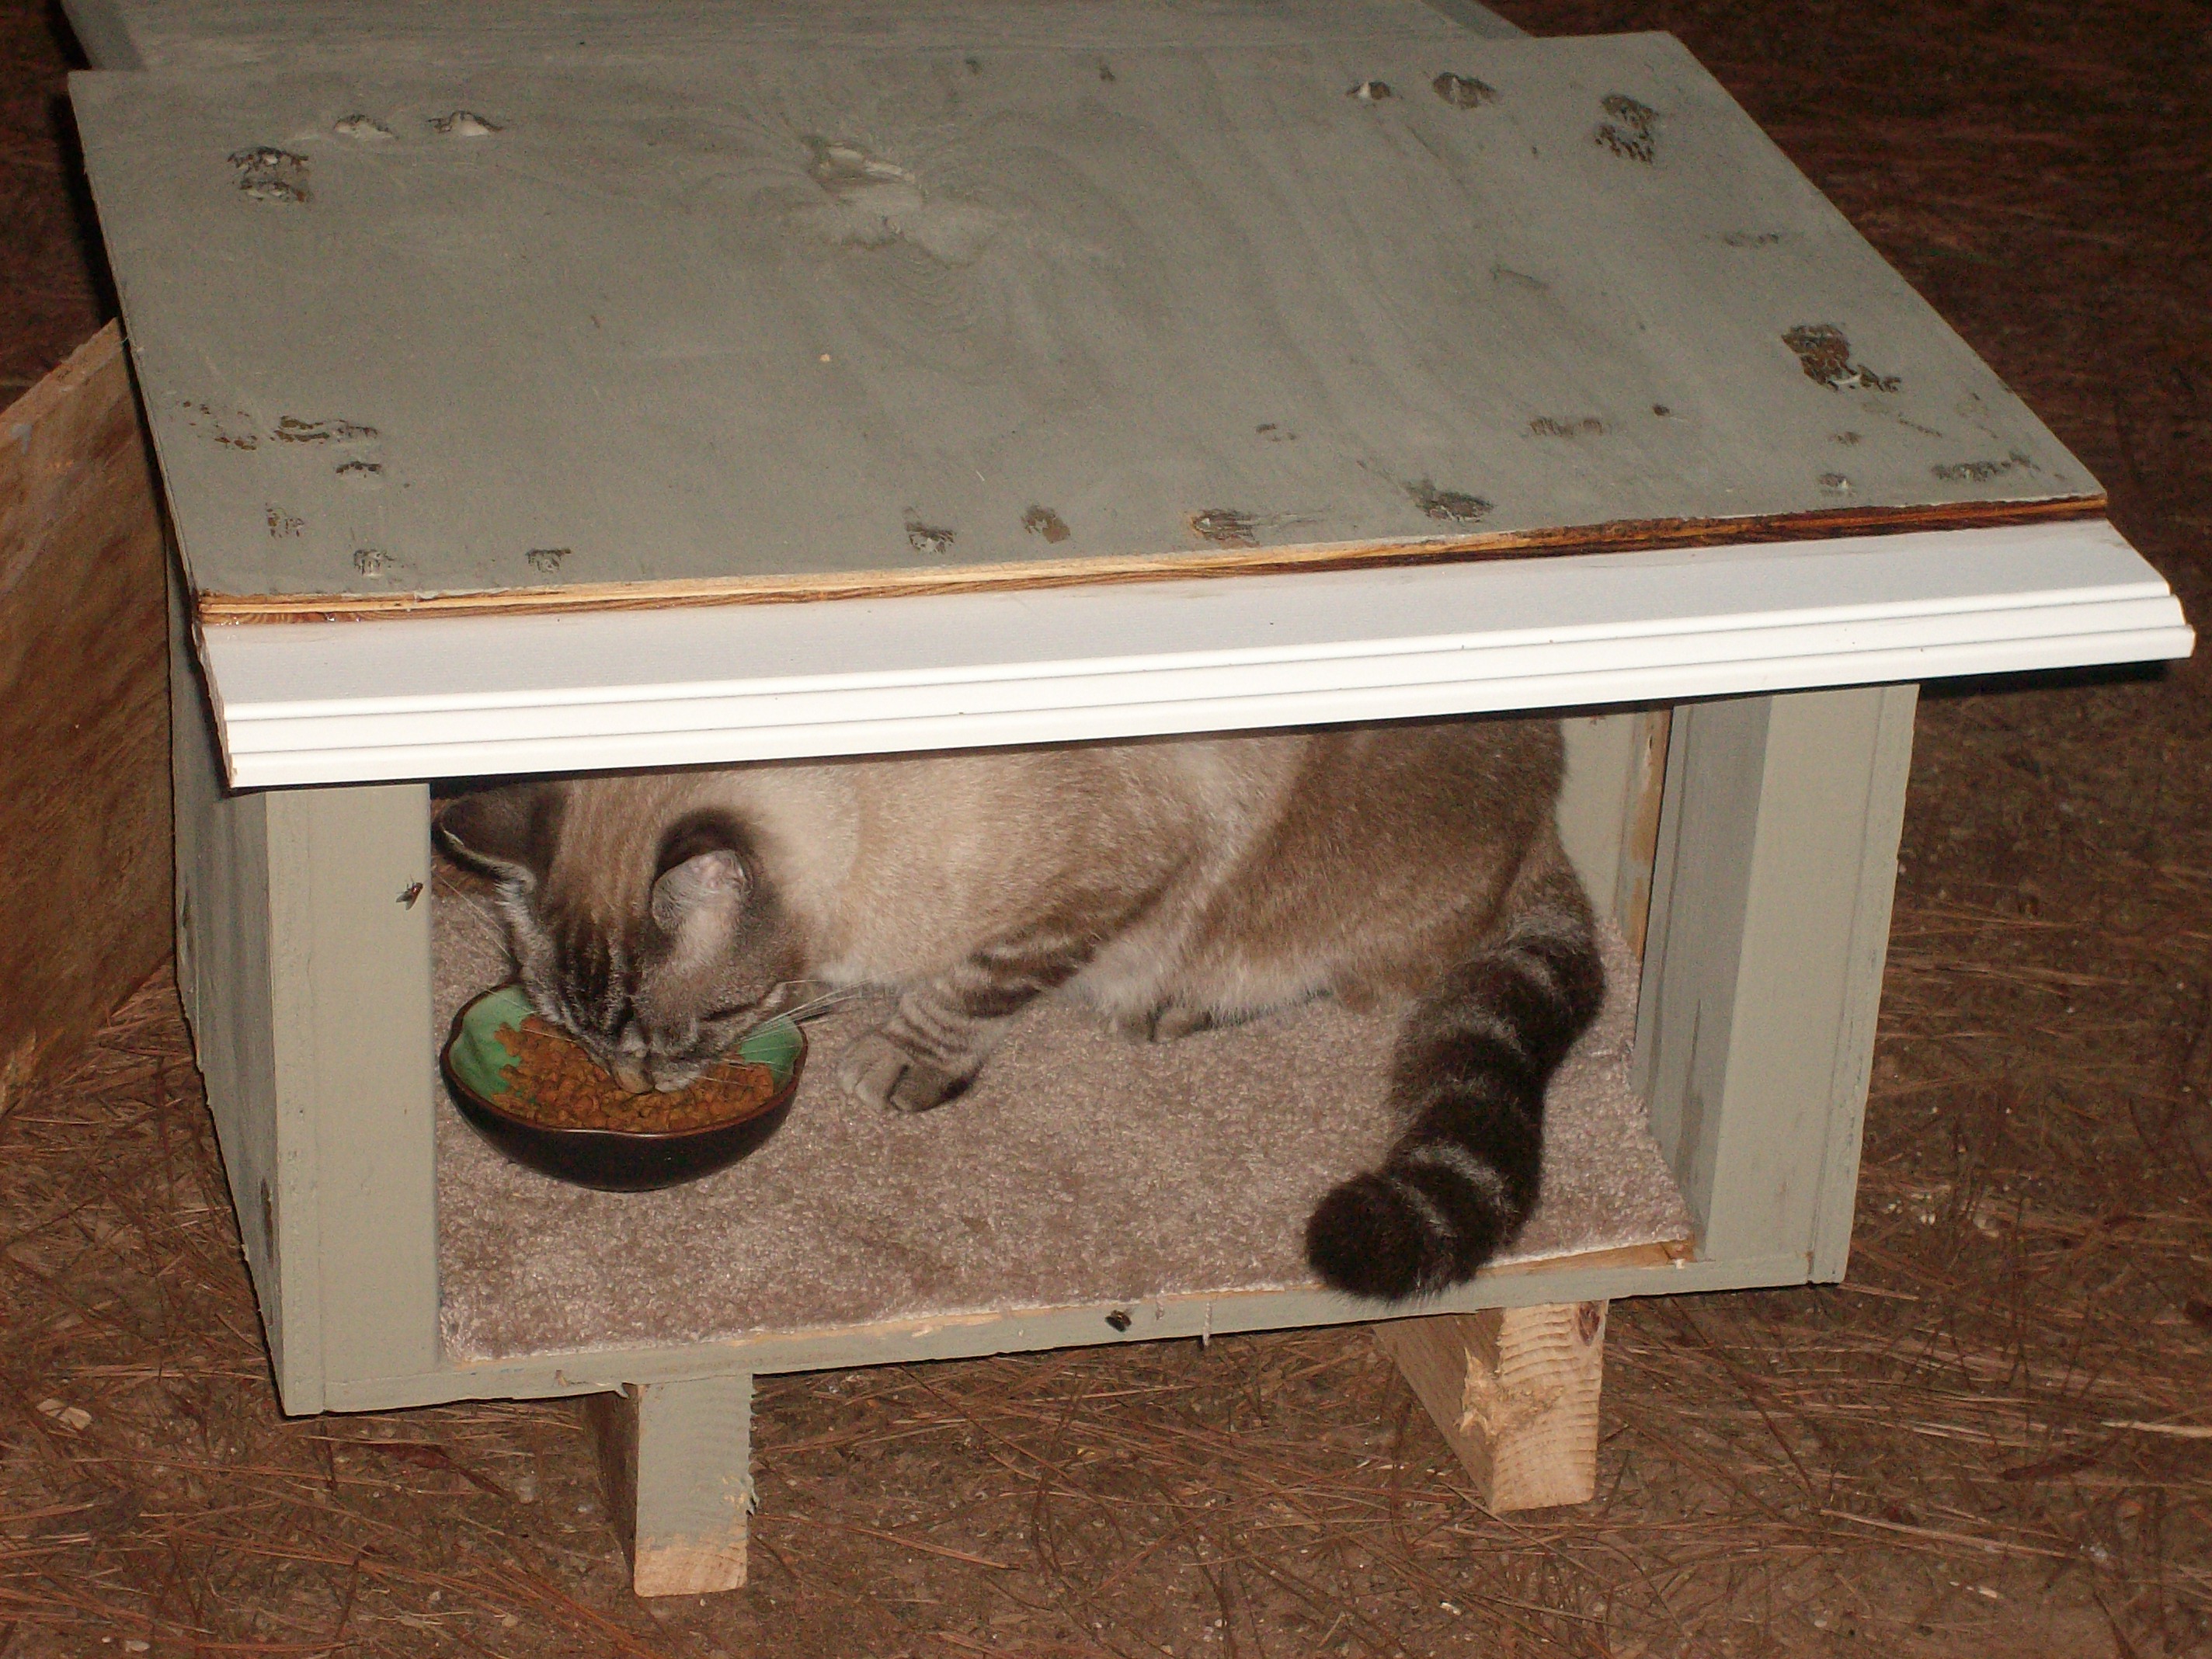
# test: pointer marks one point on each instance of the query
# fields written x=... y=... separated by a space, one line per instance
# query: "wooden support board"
x=1514 y=1393
x=673 y=1461
x=931 y=318
x=84 y=811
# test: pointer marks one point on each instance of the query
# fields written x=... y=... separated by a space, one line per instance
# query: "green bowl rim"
x=454 y=1081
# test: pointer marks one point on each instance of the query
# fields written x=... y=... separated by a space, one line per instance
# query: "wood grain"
x=801 y=322
x=84 y=813
x=1646 y=795
x=1514 y=1393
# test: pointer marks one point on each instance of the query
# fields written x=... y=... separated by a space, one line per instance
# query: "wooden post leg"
x=672 y=1461
x=1515 y=1391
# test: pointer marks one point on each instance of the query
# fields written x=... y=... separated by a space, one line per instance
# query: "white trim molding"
x=457 y=697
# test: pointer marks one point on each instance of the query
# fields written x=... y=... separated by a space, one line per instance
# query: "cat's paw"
x=1165 y=1024
x=877 y=1072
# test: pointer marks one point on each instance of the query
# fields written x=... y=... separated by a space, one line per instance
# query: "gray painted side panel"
x=226 y=974
x=348 y=875
x=1776 y=858
x=1889 y=766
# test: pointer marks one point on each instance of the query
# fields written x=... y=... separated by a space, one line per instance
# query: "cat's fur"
x=1176 y=883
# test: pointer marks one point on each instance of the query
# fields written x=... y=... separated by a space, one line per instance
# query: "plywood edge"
x=570 y=1372
x=1619 y=536
x=1219 y=1308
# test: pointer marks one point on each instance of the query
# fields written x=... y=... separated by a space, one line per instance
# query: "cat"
x=1175 y=884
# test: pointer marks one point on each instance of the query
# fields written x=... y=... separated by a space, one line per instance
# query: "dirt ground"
x=1993 y=1440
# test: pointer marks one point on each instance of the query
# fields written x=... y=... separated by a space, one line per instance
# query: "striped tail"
x=1468 y=1081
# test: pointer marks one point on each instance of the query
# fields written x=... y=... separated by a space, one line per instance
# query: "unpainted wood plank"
x=1514 y=1393
x=1777 y=862
x=808 y=324
x=674 y=1462
x=84 y=811
x=1645 y=792
x=1601 y=768
x=1609 y=809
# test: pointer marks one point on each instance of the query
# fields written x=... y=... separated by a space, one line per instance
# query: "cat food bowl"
x=534 y=1093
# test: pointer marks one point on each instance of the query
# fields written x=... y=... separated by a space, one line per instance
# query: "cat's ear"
x=506 y=832
x=702 y=869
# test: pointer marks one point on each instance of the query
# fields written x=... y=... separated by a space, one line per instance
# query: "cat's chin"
x=671 y=1080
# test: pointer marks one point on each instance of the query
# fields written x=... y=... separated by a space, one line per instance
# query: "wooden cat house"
x=614 y=384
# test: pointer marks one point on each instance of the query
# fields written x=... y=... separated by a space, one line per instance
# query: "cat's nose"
x=631 y=1075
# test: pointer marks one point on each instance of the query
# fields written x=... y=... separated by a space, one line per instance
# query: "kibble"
x=556 y=1085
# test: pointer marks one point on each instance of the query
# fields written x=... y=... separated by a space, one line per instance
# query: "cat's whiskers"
x=808 y=1009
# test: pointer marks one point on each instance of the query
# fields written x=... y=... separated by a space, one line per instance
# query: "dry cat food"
x=557 y=1085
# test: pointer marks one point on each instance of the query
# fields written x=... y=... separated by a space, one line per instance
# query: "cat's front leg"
x=931 y=1049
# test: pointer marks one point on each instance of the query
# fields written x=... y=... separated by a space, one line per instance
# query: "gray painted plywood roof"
x=377 y=34
x=204 y=34
x=939 y=315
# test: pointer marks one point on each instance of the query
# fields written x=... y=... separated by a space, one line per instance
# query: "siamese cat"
x=1173 y=884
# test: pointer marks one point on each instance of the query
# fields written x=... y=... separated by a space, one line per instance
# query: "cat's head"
x=642 y=923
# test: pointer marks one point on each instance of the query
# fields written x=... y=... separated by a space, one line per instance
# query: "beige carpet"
x=1080 y=1169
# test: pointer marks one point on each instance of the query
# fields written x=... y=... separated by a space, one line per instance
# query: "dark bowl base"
x=616 y=1162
